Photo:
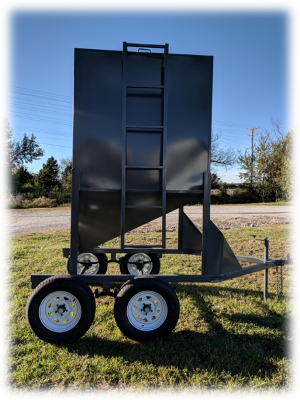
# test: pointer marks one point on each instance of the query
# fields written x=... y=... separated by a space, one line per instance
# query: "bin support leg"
x=205 y=217
x=266 y=271
x=74 y=221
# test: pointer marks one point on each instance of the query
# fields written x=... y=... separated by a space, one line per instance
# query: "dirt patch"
x=223 y=223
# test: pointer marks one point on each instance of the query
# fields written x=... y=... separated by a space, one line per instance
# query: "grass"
x=226 y=338
x=275 y=203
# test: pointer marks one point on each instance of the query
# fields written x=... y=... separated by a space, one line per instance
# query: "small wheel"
x=61 y=308
x=98 y=263
x=139 y=263
x=146 y=308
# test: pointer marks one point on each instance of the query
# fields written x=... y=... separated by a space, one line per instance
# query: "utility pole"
x=252 y=134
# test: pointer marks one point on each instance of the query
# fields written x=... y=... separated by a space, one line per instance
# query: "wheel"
x=146 y=308
x=98 y=263
x=61 y=308
x=134 y=263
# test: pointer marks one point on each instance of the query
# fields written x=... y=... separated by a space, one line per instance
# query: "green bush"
x=27 y=201
x=61 y=196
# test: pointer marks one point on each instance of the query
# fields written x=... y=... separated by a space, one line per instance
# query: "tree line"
x=50 y=186
x=266 y=172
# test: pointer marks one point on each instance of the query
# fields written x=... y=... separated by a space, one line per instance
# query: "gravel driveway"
x=226 y=217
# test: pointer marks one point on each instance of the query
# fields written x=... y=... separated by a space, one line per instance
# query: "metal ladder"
x=161 y=128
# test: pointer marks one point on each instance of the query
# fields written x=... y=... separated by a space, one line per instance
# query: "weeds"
x=21 y=201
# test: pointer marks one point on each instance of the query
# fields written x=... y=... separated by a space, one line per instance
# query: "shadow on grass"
x=270 y=318
x=217 y=350
x=222 y=291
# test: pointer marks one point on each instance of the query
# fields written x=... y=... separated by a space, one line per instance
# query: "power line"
x=57 y=145
x=50 y=110
x=47 y=97
x=50 y=131
x=41 y=119
x=17 y=99
x=230 y=123
x=37 y=91
x=35 y=102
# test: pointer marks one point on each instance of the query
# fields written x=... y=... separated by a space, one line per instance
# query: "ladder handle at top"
x=154 y=46
x=142 y=50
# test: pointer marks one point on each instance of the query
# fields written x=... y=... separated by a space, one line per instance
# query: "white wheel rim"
x=60 y=311
x=84 y=257
x=134 y=270
x=147 y=310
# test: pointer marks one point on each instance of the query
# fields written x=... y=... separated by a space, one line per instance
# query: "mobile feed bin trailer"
x=141 y=149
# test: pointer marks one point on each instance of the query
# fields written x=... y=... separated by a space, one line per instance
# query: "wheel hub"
x=140 y=263
x=147 y=310
x=89 y=262
x=60 y=311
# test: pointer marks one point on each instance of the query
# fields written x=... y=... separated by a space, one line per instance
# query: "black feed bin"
x=141 y=149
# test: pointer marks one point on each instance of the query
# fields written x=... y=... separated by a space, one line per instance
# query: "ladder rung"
x=143 y=206
x=144 y=127
x=143 y=246
x=144 y=87
x=142 y=191
x=142 y=167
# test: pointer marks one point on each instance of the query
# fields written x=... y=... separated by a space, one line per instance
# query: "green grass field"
x=226 y=338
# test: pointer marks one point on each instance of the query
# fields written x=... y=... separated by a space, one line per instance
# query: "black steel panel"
x=144 y=179
x=97 y=136
x=189 y=120
x=144 y=148
x=143 y=199
x=144 y=69
x=219 y=258
x=191 y=236
x=144 y=108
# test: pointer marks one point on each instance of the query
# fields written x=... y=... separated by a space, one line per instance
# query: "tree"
x=272 y=165
x=221 y=156
x=290 y=162
x=215 y=180
x=66 y=174
x=245 y=163
x=262 y=173
x=267 y=167
x=18 y=153
x=48 y=177
x=21 y=179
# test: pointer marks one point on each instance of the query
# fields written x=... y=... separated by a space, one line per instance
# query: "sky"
x=251 y=66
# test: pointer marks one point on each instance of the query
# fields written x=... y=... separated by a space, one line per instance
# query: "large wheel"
x=96 y=264
x=139 y=263
x=146 y=308
x=61 y=308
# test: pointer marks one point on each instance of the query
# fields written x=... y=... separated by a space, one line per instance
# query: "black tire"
x=153 y=267
x=71 y=298
x=146 y=308
x=101 y=269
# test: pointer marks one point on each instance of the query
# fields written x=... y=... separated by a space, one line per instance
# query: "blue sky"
x=250 y=49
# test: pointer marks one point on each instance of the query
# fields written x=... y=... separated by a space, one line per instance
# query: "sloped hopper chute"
x=219 y=258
